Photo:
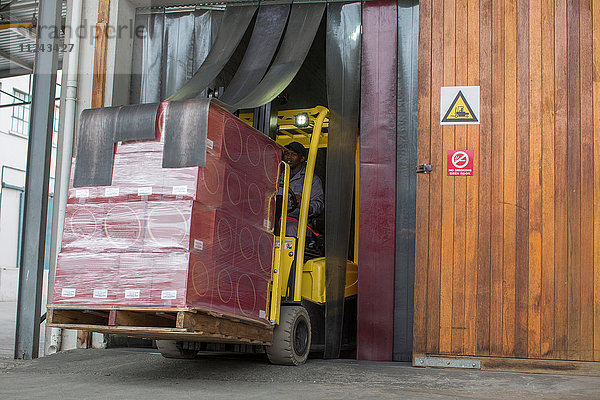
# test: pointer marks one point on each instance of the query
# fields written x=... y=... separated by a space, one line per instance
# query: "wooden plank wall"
x=508 y=261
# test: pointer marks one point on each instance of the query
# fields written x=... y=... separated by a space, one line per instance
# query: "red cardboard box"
x=135 y=271
x=176 y=279
x=81 y=280
x=215 y=185
x=162 y=226
x=254 y=251
x=109 y=227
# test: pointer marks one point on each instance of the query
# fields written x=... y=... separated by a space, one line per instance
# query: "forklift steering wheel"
x=293 y=201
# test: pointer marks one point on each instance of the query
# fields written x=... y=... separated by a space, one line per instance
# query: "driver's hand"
x=298 y=198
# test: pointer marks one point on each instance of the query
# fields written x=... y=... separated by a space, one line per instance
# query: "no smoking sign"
x=460 y=162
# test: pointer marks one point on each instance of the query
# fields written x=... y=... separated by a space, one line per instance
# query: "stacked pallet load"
x=198 y=237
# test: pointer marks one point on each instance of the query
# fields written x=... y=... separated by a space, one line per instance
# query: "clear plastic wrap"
x=154 y=227
x=139 y=176
x=180 y=237
x=173 y=279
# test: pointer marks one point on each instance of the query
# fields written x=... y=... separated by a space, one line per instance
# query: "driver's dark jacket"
x=316 y=192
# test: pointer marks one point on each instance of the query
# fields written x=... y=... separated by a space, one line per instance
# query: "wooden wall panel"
x=460 y=189
x=587 y=182
x=511 y=259
x=448 y=135
x=548 y=282
x=510 y=178
x=485 y=187
x=435 y=188
x=471 y=267
x=522 y=223
x=497 y=133
x=560 y=180
x=573 y=183
x=100 y=49
x=535 y=183
x=596 y=114
x=423 y=156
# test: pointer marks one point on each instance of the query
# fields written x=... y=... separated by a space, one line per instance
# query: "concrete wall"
x=13 y=162
x=9 y=278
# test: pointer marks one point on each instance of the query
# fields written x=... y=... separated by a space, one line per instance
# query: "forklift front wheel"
x=174 y=349
x=291 y=338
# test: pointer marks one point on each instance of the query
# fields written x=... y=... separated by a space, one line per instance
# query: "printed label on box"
x=132 y=294
x=100 y=293
x=198 y=244
x=180 y=190
x=168 y=294
x=262 y=313
x=82 y=193
x=68 y=292
x=210 y=144
x=144 y=191
x=111 y=192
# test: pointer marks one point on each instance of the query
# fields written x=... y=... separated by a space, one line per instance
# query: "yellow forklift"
x=298 y=292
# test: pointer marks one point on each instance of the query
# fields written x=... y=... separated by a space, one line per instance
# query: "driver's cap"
x=296 y=147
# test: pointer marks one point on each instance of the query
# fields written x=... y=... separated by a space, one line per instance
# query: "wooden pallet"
x=160 y=323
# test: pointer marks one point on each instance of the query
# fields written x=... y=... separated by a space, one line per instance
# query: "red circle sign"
x=460 y=159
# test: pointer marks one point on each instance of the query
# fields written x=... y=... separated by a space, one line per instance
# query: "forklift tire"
x=291 y=338
x=173 y=349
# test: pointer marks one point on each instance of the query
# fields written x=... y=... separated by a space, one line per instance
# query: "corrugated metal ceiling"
x=17 y=44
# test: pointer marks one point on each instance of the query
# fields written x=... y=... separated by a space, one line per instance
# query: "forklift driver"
x=295 y=156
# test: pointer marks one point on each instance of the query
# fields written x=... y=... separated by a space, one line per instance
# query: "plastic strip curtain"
x=303 y=24
x=268 y=29
x=343 y=92
x=377 y=225
x=233 y=26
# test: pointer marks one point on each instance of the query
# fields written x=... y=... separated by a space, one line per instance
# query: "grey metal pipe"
x=64 y=155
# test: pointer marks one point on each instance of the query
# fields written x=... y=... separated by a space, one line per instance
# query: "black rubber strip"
x=186 y=126
x=301 y=29
x=95 y=147
x=136 y=122
x=233 y=26
x=343 y=48
x=406 y=179
x=268 y=29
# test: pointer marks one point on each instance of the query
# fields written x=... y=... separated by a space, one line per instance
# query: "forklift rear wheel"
x=174 y=349
x=291 y=338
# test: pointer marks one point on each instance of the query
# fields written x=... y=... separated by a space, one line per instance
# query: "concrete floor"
x=8 y=311
x=128 y=374
x=8 y=316
x=141 y=374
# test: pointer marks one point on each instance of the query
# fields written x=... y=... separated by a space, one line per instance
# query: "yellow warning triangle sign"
x=459 y=110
